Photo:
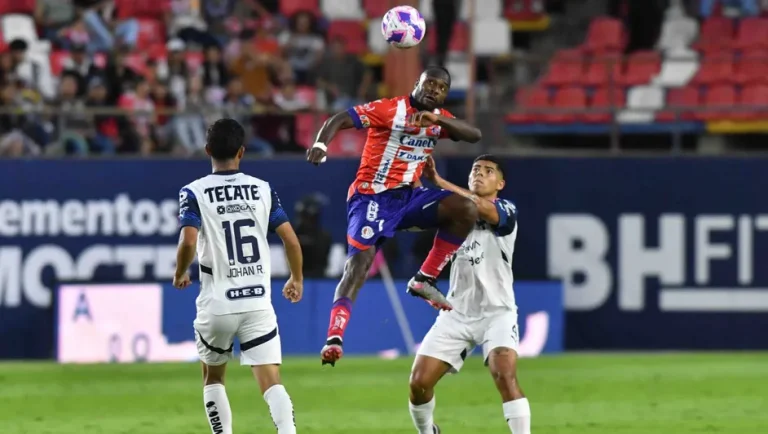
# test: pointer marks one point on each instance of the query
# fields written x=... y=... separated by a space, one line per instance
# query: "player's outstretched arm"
x=295 y=286
x=486 y=210
x=339 y=121
x=185 y=254
x=456 y=129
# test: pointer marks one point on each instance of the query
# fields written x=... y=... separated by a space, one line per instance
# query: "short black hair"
x=438 y=71
x=18 y=45
x=224 y=139
x=493 y=159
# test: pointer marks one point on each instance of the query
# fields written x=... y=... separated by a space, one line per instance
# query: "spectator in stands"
x=53 y=17
x=185 y=21
x=239 y=105
x=314 y=239
x=118 y=75
x=71 y=123
x=253 y=71
x=189 y=126
x=99 y=18
x=106 y=134
x=80 y=65
x=446 y=13
x=215 y=72
x=14 y=142
x=746 y=7
x=136 y=128
x=163 y=102
x=30 y=70
x=288 y=99
x=303 y=46
x=345 y=80
x=178 y=69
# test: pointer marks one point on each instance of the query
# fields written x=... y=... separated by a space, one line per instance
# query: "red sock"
x=340 y=313
x=444 y=247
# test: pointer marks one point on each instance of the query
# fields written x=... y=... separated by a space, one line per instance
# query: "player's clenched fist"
x=293 y=290
x=182 y=281
x=423 y=119
x=430 y=172
x=317 y=153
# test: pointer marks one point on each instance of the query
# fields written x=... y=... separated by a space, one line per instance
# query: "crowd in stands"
x=171 y=70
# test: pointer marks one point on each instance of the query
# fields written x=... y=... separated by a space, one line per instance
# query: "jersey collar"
x=226 y=172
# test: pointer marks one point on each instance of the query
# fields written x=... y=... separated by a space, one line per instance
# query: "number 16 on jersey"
x=242 y=250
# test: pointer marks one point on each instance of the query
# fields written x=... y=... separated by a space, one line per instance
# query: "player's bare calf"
x=502 y=363
x=425 y=374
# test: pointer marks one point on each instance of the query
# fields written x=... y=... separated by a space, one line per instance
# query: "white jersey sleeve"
x=481 y=274
x=234 y=213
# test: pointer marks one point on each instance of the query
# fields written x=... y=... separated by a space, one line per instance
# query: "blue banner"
x=655 y=253
x=99 y=323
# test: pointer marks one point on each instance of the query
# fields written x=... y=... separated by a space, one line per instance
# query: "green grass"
x=594 y=394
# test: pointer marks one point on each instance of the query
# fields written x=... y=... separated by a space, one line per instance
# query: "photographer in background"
x=315 y=241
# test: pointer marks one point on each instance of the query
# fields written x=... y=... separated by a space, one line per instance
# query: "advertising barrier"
x=127 y=323
x=655 y=253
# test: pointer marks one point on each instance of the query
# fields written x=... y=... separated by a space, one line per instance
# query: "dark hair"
x=438 y=71
x=493 y=159
x=18 y=45
x=224 y=139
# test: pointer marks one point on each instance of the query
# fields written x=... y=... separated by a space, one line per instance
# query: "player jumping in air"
x=227 y=214
x=484 y=310
x=385 y=196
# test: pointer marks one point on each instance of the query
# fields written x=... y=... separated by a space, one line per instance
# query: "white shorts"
x=257 y=332
x=453 y=336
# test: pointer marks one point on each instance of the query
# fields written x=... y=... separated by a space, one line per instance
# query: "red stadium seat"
x=291 y=7
x=151 y=32
x=459 y=40
x=716 y=34
x=604 y=70
x=375 y=8
x=718 y=103
x=567 y=68
x=605 y=34
x=17 y=7
x=605 y=98
x=685 y=99
x=142 y=8
x=307 y=125
x=529 y=100
x=57 y=59
x=716 y=68
x=752 y=33
x=353 y=33
x=752 y=67
x=753 y=103
x=641 y=67
x=569 y=98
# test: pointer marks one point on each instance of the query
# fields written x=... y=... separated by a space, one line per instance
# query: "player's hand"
x=423 y=119
x=293 y=290
x=430 y=172
x=317 y=154
x=181 y=282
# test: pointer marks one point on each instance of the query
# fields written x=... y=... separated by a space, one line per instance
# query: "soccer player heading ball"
x=386 y=195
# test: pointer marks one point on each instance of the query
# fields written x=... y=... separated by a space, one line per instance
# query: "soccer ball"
x=403 y=26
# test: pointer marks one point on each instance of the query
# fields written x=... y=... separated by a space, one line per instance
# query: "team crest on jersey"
x=434 y=130
x=365 y=121
x=366 y=232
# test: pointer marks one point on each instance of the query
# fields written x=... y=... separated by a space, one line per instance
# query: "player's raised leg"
x=425 y=374
x=502 y=363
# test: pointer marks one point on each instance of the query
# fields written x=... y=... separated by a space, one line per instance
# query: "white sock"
x=217 y=409
x=518 y=414
x=422 y=416
x=281 y=409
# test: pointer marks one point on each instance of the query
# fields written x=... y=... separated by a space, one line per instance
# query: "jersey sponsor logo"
x=248 y=292
x=227 y=193
x=238 y=207
x=411 y=157
x=381 y=175
x=417 y=142
x=213 y=417
x=366 y=232
x=373 y=211
x=365 y=121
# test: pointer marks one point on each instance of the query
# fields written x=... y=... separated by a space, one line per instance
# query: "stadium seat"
x=604 y=98
x=151 y=32
x=716 y=34
x=376 y=9
x=642 y=66
x=377 y=44
x=425 y=7
x=529 y=100
x=459 y=70
x=605 y=70
x=291 y=7
x=569 y=98
x=18 y=26
x=677 y=32
x=752 y=67
x=642 y=103
x=678 y=68
x=605 y=34
x=459 y=40
x=716 y=68
x=566 y=68
x=342 y=9
x=142 y=8
x=753 y=103
x=718 y=103
x=752 y=33
x=492 y=37
x=57 y=60
x=685 y=99
x=486 y=10
x=17 y=7
x=353 y=33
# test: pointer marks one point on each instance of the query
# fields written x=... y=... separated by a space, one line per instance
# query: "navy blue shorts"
x=372 y=218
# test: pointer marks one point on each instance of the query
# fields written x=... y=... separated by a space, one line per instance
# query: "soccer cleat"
x=426 y=288
x=332 y=351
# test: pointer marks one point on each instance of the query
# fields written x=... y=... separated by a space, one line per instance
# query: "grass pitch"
x=569 y=394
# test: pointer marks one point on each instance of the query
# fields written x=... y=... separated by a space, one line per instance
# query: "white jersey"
x=481 y=273
x=234 y=213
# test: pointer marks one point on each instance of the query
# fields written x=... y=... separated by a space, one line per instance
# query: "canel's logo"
x=702 y=263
